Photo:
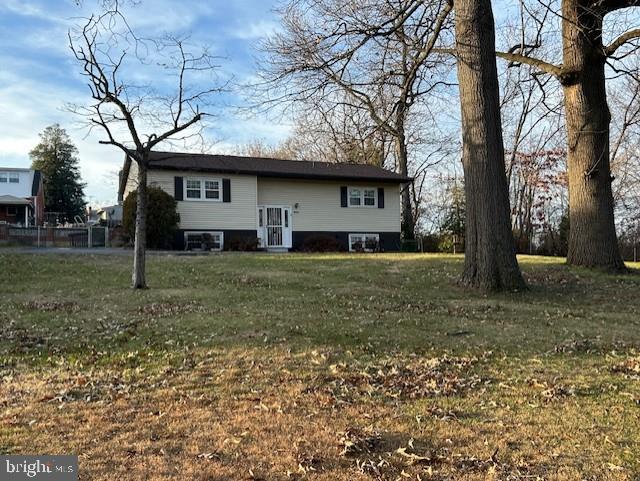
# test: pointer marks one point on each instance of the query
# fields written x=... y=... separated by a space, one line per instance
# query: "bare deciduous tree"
x=373 y=55
x=105 y=46
x=581 y=73
x=490 y=258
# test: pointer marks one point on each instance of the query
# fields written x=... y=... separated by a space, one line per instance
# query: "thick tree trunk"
x=408 y=222
x=138 y=278
x=592 y=234
x=490 y=259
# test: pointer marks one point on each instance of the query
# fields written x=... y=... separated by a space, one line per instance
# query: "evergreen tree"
x=56 y=157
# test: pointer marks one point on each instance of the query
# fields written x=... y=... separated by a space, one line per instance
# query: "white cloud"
x=254 y=30
x=39 y=76
x=27 y=9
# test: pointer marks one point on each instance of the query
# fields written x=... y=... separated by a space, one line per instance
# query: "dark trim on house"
x=274 y=175
x=178 y=191
x=389 y=241
x=343 y=196
x=380 y=197
x=230 y=236
x=265 y=168
x=226 y=190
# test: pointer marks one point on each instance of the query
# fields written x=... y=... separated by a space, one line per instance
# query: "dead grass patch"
x=356 y=368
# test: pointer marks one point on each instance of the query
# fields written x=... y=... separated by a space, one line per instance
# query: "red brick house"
x=21 y=197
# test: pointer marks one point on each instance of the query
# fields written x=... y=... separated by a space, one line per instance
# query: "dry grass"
x=320 y=368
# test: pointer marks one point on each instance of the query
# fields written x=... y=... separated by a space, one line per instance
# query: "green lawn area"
x=320 y=367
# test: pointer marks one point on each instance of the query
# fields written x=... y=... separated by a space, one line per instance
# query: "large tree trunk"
x=138 y=278
x=408 y=222
x=490 y=259
x=592 y=234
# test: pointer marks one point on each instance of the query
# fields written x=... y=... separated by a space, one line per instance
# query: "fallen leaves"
x=630 y=368
x=412 y=457
x=415 y=378
x=169 y=309
x=51 y=306
x=357 y=441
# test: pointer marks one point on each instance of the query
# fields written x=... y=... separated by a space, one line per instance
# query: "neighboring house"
x=279 y=202
x=111 y=215
x=91 y=216
x=21 y=197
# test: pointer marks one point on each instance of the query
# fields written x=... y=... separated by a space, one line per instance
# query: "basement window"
x=206 y=241
x=364 y=242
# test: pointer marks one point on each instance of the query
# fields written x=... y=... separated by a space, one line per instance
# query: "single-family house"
x=281 y=203
x=110 y=215
x=21 y=197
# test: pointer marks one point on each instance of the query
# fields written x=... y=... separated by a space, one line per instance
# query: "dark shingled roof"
x=264 y=167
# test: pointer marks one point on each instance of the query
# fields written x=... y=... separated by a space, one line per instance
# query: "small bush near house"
x=409 y=245
x=321 y=243
x=450 y=244
x=430 y=242
x=117 y=237
x=162 y=218
x=242 y=245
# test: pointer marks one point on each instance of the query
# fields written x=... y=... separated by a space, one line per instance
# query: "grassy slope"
x=270 y=366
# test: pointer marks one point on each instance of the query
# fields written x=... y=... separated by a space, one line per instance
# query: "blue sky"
x=39 y=74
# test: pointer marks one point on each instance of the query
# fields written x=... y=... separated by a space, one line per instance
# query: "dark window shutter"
x=226 y=190
x=380 y=197
x=343 y=196
x=177 y=187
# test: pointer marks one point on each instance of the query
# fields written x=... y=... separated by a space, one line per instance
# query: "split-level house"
x=21 y=197
x=281 y=203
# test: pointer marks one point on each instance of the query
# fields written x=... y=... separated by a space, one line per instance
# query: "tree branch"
x=610 y=49
x=546 y=67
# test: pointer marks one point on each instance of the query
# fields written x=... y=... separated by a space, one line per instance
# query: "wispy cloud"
x=254 y=30
x=39 y=75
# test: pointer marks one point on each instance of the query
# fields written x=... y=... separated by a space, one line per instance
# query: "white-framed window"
x=209 y=190
x=193 y=189
x=212 y=189
x=364 y=242
x=4 y=177
x=363 y=197
x=14 y=178
x=210 y=241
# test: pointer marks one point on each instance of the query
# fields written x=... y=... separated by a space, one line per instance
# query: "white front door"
x=274 y=226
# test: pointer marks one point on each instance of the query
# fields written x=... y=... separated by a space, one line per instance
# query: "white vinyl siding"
x=132 y=180
x=319 y=205
x=239 y=214
x=16 y=182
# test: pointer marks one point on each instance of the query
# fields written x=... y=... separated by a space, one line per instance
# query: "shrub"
x=409 y=245
x=430 y=242
x=321 y=243
x=162 y=218
x=243 y=245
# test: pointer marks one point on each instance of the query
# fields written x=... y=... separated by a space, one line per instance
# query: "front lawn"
x=319 y=367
